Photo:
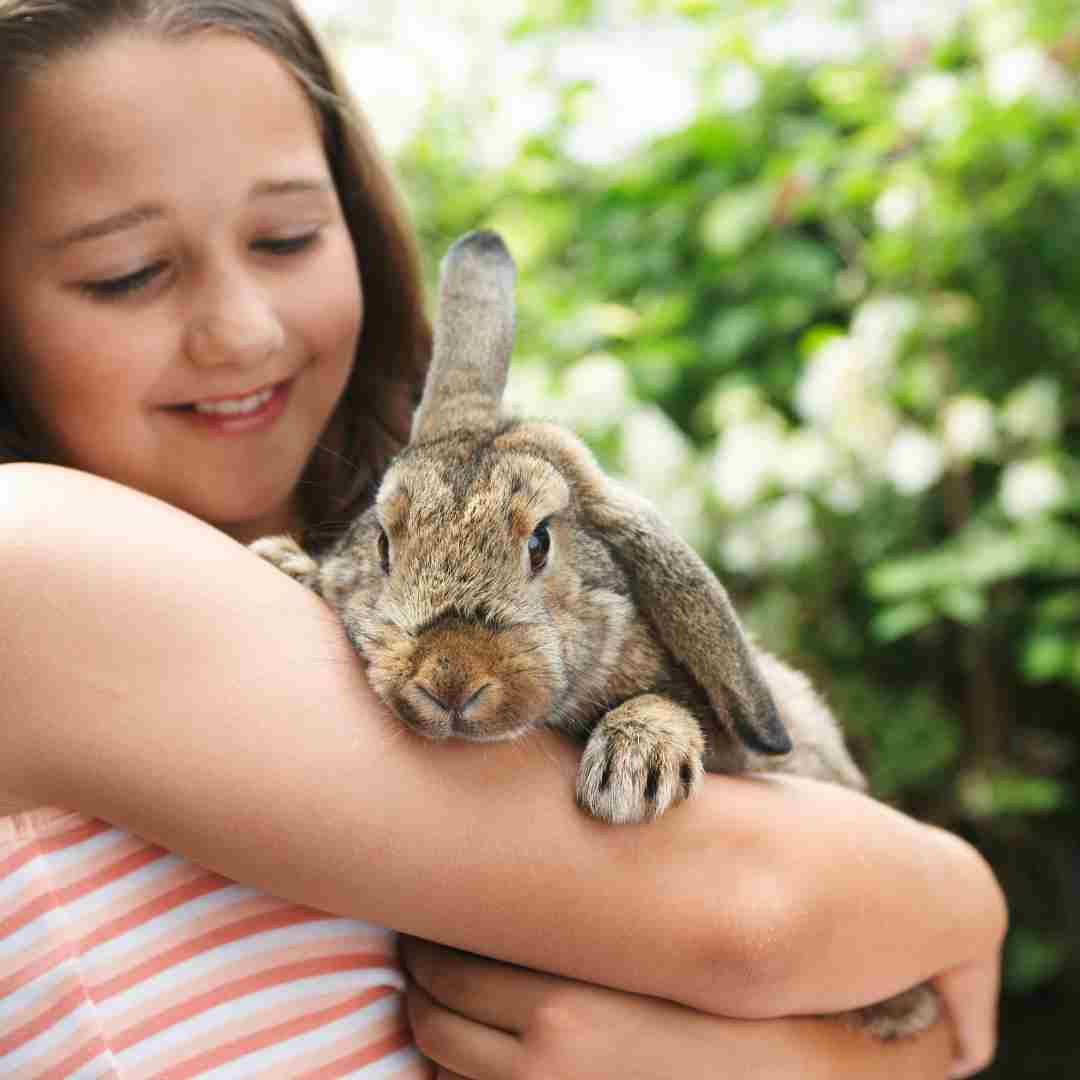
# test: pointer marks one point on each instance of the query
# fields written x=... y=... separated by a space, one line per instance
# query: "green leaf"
x=736 y=219
x=1046 y=656
x=962 y=604
x=734 y=332
x=994 y=794
x=897 y=622
x=1032 y=959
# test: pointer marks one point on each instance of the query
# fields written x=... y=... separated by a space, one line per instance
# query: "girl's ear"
x=474 y=336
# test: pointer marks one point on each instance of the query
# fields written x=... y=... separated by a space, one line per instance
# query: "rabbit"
x=502 y=582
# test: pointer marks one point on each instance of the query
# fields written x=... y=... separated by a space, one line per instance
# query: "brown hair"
x=371 y=421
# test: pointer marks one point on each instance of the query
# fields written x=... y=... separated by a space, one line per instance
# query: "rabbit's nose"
x=454 y=698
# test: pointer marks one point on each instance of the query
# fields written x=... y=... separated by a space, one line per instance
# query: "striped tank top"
x=121 y=961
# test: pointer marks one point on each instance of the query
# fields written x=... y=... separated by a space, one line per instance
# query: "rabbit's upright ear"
x=693 y=616
x=474 y=336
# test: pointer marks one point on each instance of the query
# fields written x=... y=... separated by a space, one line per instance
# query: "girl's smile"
x=178 y=281
x=237 y=414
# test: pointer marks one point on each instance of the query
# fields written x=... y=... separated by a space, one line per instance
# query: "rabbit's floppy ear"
x=691 y=612
x=474 y=336
x=687 y=607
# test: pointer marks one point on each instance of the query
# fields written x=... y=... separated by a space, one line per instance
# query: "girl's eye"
x=113 y=288
x=539 y=546
x=384 y=552
x=289 y=245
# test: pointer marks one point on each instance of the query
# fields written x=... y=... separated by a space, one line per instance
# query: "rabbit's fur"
x=501 y=582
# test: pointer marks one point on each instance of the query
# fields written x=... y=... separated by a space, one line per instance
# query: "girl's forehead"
x=137 y=117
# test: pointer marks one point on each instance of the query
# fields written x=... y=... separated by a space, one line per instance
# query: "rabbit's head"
x=458 y=588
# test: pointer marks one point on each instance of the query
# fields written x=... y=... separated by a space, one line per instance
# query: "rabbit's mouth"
x=454 y=709
x=459 y=679
x=450 y=709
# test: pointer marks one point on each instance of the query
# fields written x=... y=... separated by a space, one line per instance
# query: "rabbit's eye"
x=539 y=546
x=384 y=552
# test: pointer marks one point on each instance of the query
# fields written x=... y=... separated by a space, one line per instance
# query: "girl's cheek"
x=338 y=303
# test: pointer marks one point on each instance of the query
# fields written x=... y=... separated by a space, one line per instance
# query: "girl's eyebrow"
x=291 y=187
x=126 y=219
x=140 y=215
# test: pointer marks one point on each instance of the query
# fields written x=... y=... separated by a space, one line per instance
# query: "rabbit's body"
x=501 y=582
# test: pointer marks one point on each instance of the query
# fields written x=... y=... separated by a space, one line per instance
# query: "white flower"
x=880 y=327
x=644 y=87
x=596 y=393
x=914 y=461
x=866 y=428
x=897 y=20
x=684 y=507
x=739 y=88
x=928 y=104
x=1032 y=412
x=529 y=390
x=1026 y=71
x=806 y=38
x=521 y=108
x=999 y=28
x=844 y=493
x=746 y=461
x=654 y=451
x=841 y=392
x=391 y=86
x=787 y=530
x=898 y=205
x=780 y=534
x=1030 y=488
x=741 y=551
x=807 y=462
x=967 y=427
x=835 y=373
x=735 y=403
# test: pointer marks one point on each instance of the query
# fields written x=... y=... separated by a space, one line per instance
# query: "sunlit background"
x=808 y=275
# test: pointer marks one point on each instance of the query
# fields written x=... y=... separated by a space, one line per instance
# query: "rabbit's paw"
x=641 y=758
x=287 y=555
x=908 y=1013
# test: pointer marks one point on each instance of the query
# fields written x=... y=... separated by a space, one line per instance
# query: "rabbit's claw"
x=641 y=758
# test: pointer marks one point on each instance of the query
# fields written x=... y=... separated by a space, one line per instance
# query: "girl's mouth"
x=227 y=416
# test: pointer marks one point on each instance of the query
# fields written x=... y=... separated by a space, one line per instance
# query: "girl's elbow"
x=752 y=949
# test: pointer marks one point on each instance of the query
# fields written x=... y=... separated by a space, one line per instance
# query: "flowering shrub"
x=812 y=282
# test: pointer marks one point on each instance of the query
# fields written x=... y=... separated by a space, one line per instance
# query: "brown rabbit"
x=501 y=582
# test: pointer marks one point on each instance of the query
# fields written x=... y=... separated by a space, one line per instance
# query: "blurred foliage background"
x=808 y=274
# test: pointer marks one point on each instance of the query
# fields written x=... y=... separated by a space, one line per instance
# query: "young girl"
x=211 y=328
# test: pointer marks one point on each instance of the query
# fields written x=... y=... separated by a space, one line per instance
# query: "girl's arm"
x=157 y=675
x=479 y=1019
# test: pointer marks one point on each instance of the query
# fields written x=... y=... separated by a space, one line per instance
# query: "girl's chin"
x=247 y=529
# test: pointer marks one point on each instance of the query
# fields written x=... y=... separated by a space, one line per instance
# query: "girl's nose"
x=236 y=325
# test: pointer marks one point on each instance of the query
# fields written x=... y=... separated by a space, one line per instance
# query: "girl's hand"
x=480 y=1019
x=971 y=996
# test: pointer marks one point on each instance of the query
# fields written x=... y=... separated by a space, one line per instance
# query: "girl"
x=211 y=327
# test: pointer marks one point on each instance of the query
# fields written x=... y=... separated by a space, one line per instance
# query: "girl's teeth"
x=237 y=407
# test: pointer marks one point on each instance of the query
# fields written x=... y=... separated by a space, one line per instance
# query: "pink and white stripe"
x=120 y=960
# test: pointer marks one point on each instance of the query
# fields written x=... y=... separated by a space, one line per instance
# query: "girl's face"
x=179 y=299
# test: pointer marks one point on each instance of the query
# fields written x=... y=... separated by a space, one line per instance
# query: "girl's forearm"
x=159 y=676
